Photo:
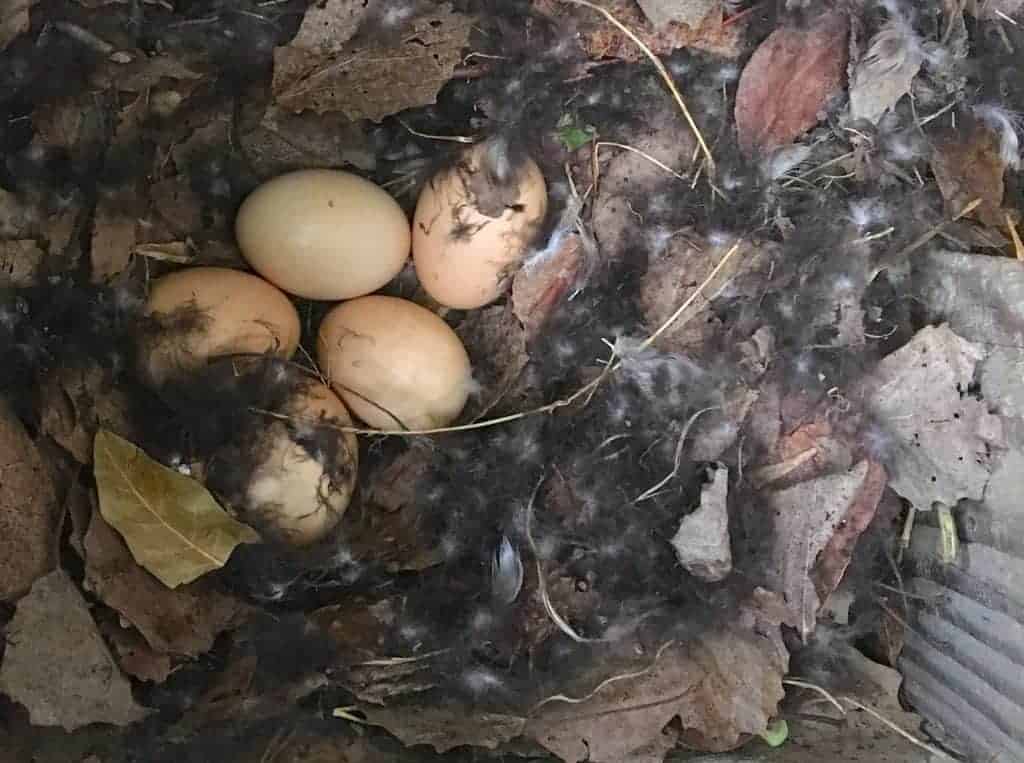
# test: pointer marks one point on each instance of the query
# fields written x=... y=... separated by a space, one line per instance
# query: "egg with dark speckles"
x=323 y=234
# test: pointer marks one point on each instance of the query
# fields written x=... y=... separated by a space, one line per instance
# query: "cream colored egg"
x=470 y=232
x=323 y=234
x=207 y=312
x=296 y=492
x=395 y=364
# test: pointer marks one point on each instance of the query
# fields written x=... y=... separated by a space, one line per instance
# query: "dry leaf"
x=601 y=40
x=283 y=142
x=14 y=19
x=76 y=403
x=942 y=437
x=183 y=621
x=995 y=9
x=56 y=664
x=20 y=261
x=838 y=552
x=689 y=12
x=628 y=181
x=445 y=725
x=134 y=655
x=172 y=524
x=29 y=513
x=499 y=345
x=360 y=626
x=143 y=72
x=720 y=688
x=177 y=205
x=702 y=541
x=968 y=167
x=788 y=81
x=113 y=236
x=320 y=72
x=886 y=71
x=674 y=275
x=807 y=516
x=545 y=279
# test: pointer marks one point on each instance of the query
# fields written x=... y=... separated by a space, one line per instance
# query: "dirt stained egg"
x=323 y=234
x=306 y=468
x=395 y=364
x=473 y=224
x=208 y=312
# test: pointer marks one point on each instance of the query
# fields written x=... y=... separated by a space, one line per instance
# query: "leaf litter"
x=608 y=628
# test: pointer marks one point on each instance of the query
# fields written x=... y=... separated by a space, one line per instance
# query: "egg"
x=323 y=234
x=207 y=312
x=306 y=469
x=395 y=364
x=473 y=225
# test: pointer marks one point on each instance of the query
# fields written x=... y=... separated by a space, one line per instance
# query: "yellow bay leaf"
x=172 y=525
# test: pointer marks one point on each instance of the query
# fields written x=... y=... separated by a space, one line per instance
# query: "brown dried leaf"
x=20 y=260
x=602 y=40
x=78 y=402
x=628 y=180
x=134 y=655
x=143 y=72
x=836 y=556
x=171 y=523
x=114 y=234
x=359 y=625
x=674 y=275
x=497 y=342
x=807 y=516
x=175 y=203
x=788 y=81
x=544 y=281
x=283 y=142
x=991 y=9
x=14 y=19
x=29 y=512
x=57 y=665
x=444 y=725
x=720 y=688
x=183 y=621
x=968 y=167
x=385 y=526
x=324 y=73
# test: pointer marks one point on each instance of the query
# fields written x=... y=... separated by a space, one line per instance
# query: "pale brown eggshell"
x=209 y=312
x=298 y=498
x=323 y=234
x=469 y=235
x=395 y=364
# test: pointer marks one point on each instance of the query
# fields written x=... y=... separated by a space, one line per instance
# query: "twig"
x=871 y=711
x=661 y=70
x=820 y=167
x=699 y=291
x=908 y=529
x=892 y=726
x=1018 y=246
x=644 y=154
x=934 y=231
x=653 y=490
x=871 y=237
x=429 y=136
x=542 y=585
x=814 y=687
x=604 y=683
x=345 y=713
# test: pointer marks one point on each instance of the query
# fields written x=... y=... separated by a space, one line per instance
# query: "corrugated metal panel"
x=963 y=663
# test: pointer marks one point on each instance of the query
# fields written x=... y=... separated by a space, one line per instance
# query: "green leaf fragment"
x=776 y=734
